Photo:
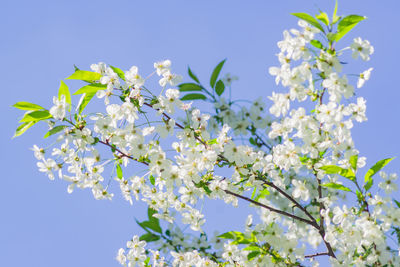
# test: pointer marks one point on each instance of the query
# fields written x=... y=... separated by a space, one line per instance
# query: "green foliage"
x=310 y=19
x=238 y=237
x=37 y=115
x=193 y=76
x=119 y=72
x=55 y=130
x=317 y=44
x=323 y=17
x=219 y=87
x=85 y=99
x=215 y=73
x=91 y=88
x=23 y=127
x=187 y=87
x=84 y=75
x=119 y=171
x=346 y=24
x=63 y=90
x=373 y=170
x=193 y=97
x=332 y=169
x=27 y=106
x=353 y=162
x=336 y=186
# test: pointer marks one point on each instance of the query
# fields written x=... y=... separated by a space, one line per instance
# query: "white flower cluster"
x=295 y=184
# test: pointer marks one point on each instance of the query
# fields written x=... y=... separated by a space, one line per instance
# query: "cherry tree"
x=291 y=157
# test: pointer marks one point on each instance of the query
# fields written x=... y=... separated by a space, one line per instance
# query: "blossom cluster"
x=296 y=171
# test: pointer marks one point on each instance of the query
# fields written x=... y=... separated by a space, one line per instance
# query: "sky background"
x=41 y=224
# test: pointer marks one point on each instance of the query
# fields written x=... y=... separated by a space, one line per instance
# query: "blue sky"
x=41 y=224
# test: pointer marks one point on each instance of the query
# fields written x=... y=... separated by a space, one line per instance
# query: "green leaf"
x=152 y=180
x=194 y=97
x=323 y=17
x=335 y=18
x=37 y=115
x=85 y=75
x=317 y=44
x=219 y=87
x=119 y=72
x=91 y=88
x=150 y=213
x=119 y=171
x=336 y=186
x=360 y=196
x=252 y=248
x=215 y=73
x=262 y=194
x=27 y=106
x=193 y=76
x=397 y=203
x=310 y=19
x=23 y=127
x=149 y=237
x=373 y=170
x=332 y=169
x=85 y=99
x=55 y=130
x=353 y=161
x=152 y=225
x=186 y=87
x=63 y=90
x=228 y=235
x=252 y=255
x=346 y=24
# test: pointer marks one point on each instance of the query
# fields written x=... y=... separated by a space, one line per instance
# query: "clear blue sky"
x=41 y=224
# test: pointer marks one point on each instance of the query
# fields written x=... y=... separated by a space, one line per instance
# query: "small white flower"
x=58 y=110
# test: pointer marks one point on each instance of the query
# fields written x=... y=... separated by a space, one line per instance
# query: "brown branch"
x=293 y=200
x=122 y=153
x=270 y=208
x=317 y=254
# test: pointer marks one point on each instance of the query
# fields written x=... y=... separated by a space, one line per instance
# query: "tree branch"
x=271 y=209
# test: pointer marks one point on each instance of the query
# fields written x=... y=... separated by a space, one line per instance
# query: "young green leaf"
x=85 y=75
x=119 y=72
x=373 y=170
x=55 y=130
x=336 y=186
x=63 y=90
x=397 y=203
x=85 y=99
x=193 y=97
x=335 y=18
x=323 y=17
x=149 y=237
x=23 y=127
x=119 y=171
x=186 y=87
x=193 y=76
x=152 y=180
x=37 y=115
x=332 y=169
x=252 y=255
x=152 y=225
x=310 y=19
x=91 y=88
x=219 y=87
x=346 y=24
x=317 y=44
x=353 y=161
x=27 y=106
x=215 y=73
x=150 y=213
